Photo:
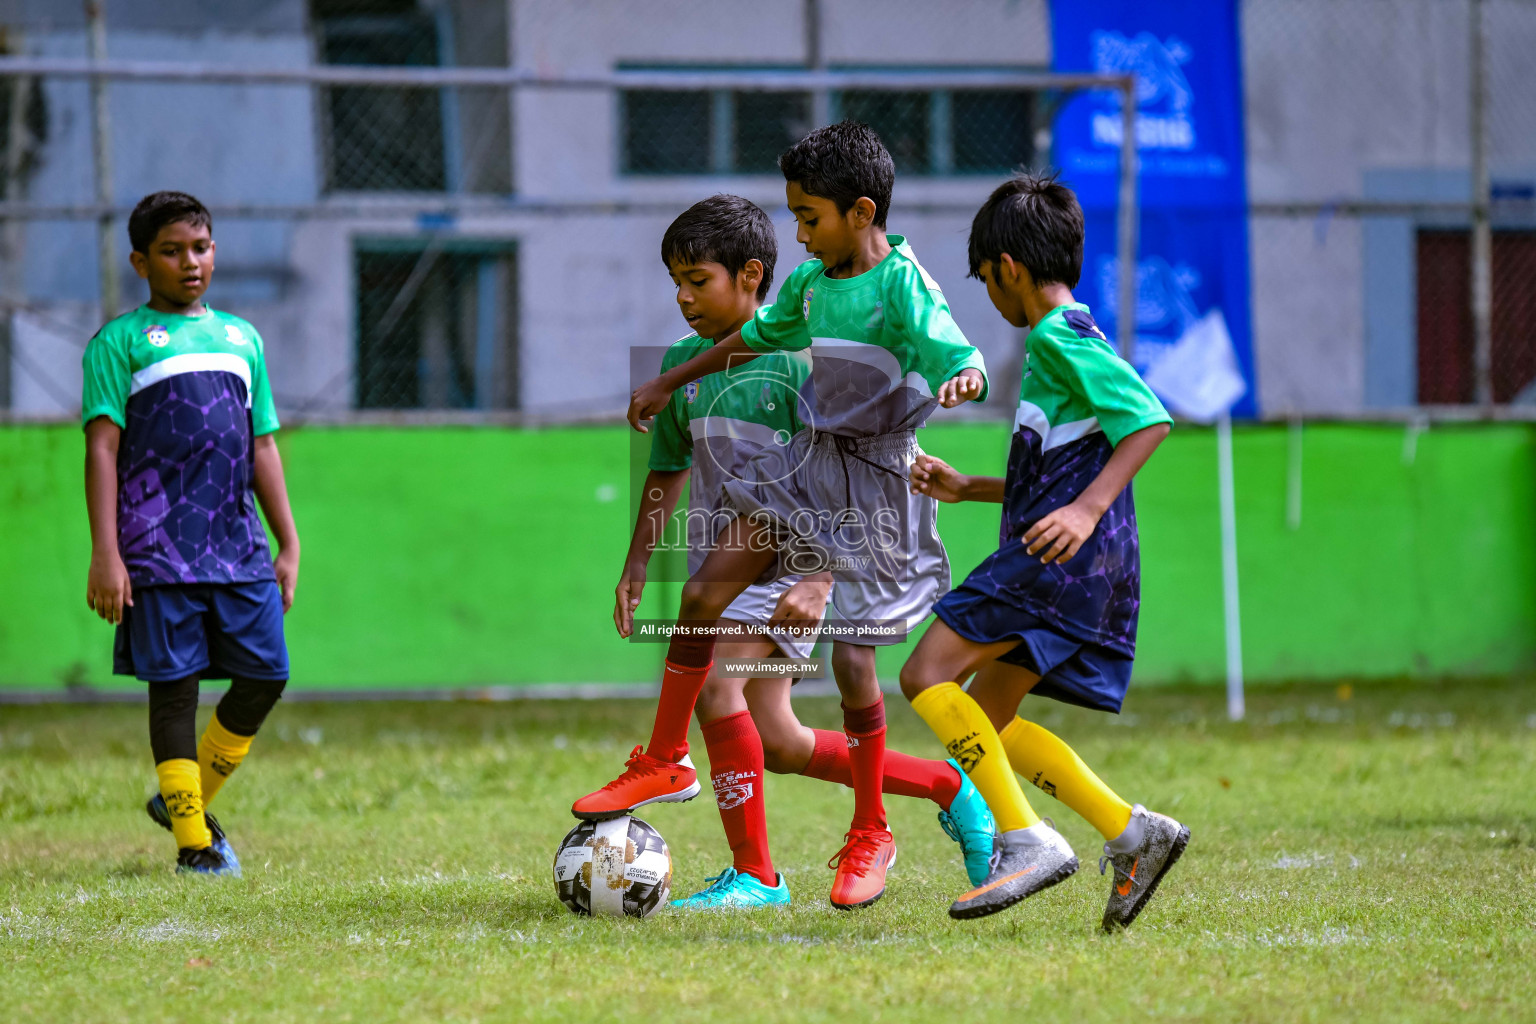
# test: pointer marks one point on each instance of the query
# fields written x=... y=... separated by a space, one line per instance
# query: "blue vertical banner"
x=1192 y=260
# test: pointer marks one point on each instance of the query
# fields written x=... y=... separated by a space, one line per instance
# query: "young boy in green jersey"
x=178 y=421
x=720 y=254
x=885 y=353
x=1053 y=610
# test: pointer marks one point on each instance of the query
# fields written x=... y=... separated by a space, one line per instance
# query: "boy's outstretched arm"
x=657 y=500
x=1057 y=535
x=651 y=397
x=107 y=587
x=272 y=493
x=936 y=478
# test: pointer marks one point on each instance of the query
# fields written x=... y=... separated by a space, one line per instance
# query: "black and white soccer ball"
x=613 y=868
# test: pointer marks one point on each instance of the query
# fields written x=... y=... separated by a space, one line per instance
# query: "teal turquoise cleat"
x=732 y=890
x=968 y=821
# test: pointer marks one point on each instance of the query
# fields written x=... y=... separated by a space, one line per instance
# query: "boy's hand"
x=646 y=401
x=286 y=568
x=800 y=607
x=107 y=587
x=937 y=479
x=962 y=387
x=627 y=598
x=1061 y=533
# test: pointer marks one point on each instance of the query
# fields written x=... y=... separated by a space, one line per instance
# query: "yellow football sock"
x=963 y=728
x=1041 y=757
x=183 y=792
x=218 y=755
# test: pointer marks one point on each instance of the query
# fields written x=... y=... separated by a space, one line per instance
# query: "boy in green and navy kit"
x=178 y=418
x=1053 y=610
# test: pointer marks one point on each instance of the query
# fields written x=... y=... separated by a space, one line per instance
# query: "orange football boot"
x=861 y=866
x=645 y=781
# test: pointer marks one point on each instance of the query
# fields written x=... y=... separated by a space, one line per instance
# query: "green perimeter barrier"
x=465 y=557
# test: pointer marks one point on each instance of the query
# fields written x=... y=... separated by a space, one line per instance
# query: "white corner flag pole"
x=1234 y=630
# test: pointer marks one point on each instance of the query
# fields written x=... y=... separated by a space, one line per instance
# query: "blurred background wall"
x=485 y=258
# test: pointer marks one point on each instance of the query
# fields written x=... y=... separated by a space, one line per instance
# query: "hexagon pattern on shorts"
x=1094 y=597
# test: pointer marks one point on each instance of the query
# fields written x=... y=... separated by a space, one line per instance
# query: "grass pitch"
x=1365 y=855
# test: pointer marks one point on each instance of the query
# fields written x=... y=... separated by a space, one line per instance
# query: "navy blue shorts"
x=213 y=630
x=1070 y=671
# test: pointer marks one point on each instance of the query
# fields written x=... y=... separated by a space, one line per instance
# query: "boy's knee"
x=780 y=761
x=778 y=744
x=851 y=661
x=717 y=698
x=173 y=697
x=721 y=697
x=694 y=602
x=246 y=706
x=853 y=666
x=173 y=720
x=994 y=705
x=913 y=680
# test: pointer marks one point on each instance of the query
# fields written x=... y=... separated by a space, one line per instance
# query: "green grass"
x=1365 y=856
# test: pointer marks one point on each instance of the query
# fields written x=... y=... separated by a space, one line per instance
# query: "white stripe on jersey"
x=1032 y=416
x=193 y=362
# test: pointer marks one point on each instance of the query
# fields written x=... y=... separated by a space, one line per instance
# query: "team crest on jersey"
x=691 y=391
x=805 y=307
x=234 y=335
x=157 y=335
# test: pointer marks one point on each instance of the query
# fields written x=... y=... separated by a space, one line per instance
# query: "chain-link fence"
x=1364 y=122
x=456 y=206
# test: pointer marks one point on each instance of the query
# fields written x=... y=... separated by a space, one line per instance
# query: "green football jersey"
x=191 y=395
x=716 y=424
x=1075 y=383
x=1078 y=400
x=883 y=342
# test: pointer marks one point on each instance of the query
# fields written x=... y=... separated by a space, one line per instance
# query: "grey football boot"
x=1141 y=856
x=1024 y=862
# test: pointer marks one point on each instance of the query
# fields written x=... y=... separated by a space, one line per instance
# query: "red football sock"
x=688 y=661
x=866 y=762
x=736 y=768
x=905 y=775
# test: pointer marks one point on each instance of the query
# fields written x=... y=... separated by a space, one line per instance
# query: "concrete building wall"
x=593 y=286
x=224 y=144
x=1364 y=99
x=1340 y=97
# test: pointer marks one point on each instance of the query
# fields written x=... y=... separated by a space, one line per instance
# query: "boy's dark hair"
x=843 y=162
x=723 y=229
x=158 y=209
x=1035 y=219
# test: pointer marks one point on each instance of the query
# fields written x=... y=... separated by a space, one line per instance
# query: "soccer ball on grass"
x=614 y=868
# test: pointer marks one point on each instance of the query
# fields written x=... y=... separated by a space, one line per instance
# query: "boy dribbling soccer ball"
x=720 y=254
x=889 y=353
